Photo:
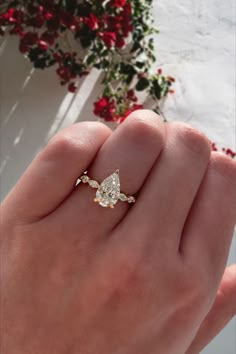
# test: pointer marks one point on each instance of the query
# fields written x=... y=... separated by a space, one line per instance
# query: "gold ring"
x=108 y=191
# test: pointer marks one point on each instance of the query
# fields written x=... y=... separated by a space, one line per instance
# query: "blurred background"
x=196 y=45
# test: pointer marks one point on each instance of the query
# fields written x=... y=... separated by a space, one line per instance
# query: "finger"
x=171 y=187
x=210 y=225
x=133 y=148
x=222 y=311
x=52 y=175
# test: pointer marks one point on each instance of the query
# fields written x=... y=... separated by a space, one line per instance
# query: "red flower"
x=57 y=56
x=17 y=30
x=72 y=87
x=64 y=73
x=119 y=3
x=84 y=73
x=120 y=42
x=92 y=22
x=127 y=9
x=135 y=107
x=227 y=151
x=171 y=79
x=231 y=153
x=109 y=38
x=100 y=105
x=48 y=15
x=48 y=37
x=10 y=15
x=213 y=146
x=105 y=108
x=29 y=39
x=127 y=29
x=23 y=48
x=127 y=113
x=131 y=96
x=43 y=45
x=114 y=23
x=68 y=20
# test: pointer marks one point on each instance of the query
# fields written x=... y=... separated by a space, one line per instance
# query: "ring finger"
x=133 y=149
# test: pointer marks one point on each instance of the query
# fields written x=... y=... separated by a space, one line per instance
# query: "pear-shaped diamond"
x=109 y=190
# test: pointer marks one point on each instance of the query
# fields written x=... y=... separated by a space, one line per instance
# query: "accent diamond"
x=84 y=178
x=123 y=197
x=131 y=199
x=93 y=184
x=108 y=192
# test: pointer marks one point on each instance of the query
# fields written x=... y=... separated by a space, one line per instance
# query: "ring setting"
x=108 y=191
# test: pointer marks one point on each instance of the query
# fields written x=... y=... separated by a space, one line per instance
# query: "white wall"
x=196 y=45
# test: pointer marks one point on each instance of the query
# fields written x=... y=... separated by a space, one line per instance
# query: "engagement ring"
x=108 y=191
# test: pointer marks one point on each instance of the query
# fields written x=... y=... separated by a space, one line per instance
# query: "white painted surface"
x=196 y=45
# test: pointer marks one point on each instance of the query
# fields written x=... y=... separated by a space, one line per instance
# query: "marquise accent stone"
x=93 y=184
x=123 y=197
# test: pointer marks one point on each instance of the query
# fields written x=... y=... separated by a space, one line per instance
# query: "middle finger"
x=167 y=196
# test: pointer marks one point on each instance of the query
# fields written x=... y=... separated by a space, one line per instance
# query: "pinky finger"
x=222 y=311
x=209 y=228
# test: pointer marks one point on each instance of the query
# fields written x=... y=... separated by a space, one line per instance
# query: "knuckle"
x=77 y=139
x=145 y=125
x=193 y=139
x=62 y=144
x=95 y=127
x=224 y=166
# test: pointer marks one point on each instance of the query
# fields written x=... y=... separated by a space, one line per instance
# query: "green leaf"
x=142 y=84
x=90 y=59
x=157 y=89
x=129 y=72
x=77 y=68
x=97 y=66
x=107 y=91
x=135 y=47
x=139 y=64
x=105 y=64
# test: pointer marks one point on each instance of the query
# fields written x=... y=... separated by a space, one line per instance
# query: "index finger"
x=53 y=174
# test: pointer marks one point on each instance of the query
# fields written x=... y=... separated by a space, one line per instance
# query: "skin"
x=77 y=278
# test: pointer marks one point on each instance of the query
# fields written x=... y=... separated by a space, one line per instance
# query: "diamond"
x=131 y=199
x=93 y=184
x=84 y=179
x=108 y=192
x=123 y=197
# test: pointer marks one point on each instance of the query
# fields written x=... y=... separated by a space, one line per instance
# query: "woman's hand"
x=77 y=278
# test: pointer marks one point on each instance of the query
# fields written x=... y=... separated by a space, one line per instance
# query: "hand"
x=77 y=278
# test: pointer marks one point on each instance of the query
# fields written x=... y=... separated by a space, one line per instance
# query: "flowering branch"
x=114 y=33
x=114 y=36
